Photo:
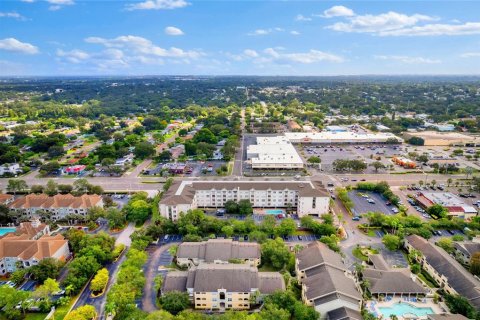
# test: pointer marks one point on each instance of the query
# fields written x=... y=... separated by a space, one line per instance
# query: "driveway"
x=124 y=236
x=157 y=256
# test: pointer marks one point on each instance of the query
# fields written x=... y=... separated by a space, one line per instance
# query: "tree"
x=446 y=244
x=65 y=188
x=449 y=182
x=9 y=299
x=165 y=156
x=55 y=152
x=16 y=185
x=416 y=141
x=144 y=150
x=475 y=264
x=46 y=268
x=287 y=227
x=391 y=242
x=275 y=253
x=377 y=165
x=116 y=219
x=50 y=167
x=228 y=231
x=459 y=304
x=81 y=186
x=51 y=188
x=175 y=301
x=205 y=135
x=47 y=289
x=86 y=312
x=99 y=282
x=314 y=160
x=231 y=207
x=245 y=207
x=437 y=210
x=36 y=188
x=138 y=211
x=160 y=315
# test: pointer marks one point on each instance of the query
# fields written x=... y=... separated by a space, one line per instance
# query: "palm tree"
x=420 y=183
x=433 y=182
x=449 y=182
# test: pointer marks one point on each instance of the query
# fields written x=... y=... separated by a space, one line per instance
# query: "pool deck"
x=373 y=307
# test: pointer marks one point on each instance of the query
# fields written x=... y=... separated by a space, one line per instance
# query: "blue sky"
x=153 y=37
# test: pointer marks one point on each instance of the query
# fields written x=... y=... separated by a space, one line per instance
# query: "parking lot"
x=395 y=258
x=362 y=206
x=196 y=168
x=368 y=153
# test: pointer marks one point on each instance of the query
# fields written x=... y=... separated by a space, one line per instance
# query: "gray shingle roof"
x=458 y=278
x=218 y=249
x=209 y=277
x=394 y=281
x=467 y=247
x=328 y=280
x=344 y=313
x=317 y=253
x=446 y=317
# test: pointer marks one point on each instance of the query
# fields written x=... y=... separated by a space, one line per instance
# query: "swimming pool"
x=400 y=309
x=274 y=211
x=4 y=231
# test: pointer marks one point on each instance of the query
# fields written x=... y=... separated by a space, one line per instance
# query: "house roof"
x=208 y=277
x=328 y=280
x=464 y=283
x=218 y=249
x=5 y=197
x=467 y=247
x=344 y=313
x=446 y=316
x=316 y=254
x=23 y=248
x=378 y=262
x=30 y=228
x=393 y=281
x=43 y=201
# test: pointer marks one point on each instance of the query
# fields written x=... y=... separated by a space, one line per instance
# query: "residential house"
x=10 y=168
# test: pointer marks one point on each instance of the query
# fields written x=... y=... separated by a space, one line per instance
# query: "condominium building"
x=218 y=251
x=327 y=285
x=450 y=275
x=59 y=206
x=306 y=197
x=223 y=286
x=335 y=137
x=273 y=153
x=22 y=251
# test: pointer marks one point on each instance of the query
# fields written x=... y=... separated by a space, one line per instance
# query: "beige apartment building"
x=223 y=286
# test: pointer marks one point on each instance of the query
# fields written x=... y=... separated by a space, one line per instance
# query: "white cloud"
x=73 y=56
x=173 y=31
x=58 y=4
x=470 y=55
x=338 y=11
x=13 y=15
x=158 y=5
x=301 y=17
x=467 y=28
x=250 y=53
x=408 y=59
x=295 y=33
x=279 y=56
x=13 y=45
x=260 y=32
x=379 y=23
x=143 y=46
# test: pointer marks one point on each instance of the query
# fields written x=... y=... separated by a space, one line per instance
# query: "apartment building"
x=60 y=206
x=464 y=250
x=306 y=197
x=223 y=286
x=450 y=275
x=220 y=251
x=5 y=199
x=20 y=250
x=273 y=153
x=327 y=285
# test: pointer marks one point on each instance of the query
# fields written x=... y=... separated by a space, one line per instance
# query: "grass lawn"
x=427 y=279
x=60 y=313
x=357 y=253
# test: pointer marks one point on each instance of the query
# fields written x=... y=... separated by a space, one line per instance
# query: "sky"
x=251 y=37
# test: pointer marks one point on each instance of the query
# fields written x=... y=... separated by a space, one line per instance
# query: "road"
x=124 y=236
x=99 y=302
x=151 y=270
x=238 y=161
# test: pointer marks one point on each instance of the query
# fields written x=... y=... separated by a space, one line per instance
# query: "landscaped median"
x=99 y=283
